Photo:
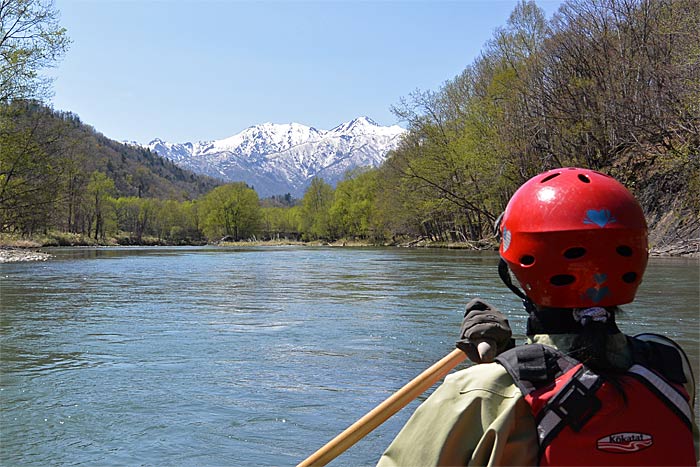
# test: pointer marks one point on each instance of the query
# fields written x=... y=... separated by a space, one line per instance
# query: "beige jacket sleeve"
x=476 y=417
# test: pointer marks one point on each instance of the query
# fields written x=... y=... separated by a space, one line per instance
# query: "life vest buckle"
x=576 y=402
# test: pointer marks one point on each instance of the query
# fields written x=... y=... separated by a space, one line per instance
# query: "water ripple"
x=256 y=357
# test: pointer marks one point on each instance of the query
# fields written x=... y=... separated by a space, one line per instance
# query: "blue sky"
x=185 y=70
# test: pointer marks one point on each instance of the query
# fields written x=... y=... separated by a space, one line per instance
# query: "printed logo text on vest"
x=625 y=442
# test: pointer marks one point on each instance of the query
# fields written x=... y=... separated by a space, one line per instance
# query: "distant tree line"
x=55 y=172
x=612 y=85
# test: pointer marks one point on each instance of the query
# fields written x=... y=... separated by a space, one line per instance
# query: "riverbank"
x=19 y=250
x=16 y=255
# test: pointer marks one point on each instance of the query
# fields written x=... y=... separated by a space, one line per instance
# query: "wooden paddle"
x=383 y=411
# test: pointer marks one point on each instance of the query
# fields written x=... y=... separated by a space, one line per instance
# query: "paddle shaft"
x=383 y=411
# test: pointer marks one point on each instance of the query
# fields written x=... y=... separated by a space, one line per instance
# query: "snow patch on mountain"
x=283 y=158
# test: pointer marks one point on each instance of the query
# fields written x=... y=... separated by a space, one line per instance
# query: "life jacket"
x=643 y=418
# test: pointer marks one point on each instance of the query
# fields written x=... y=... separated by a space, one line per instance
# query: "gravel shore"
x=13 y=255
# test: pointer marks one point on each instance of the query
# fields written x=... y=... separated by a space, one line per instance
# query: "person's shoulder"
x=488 y=377
x=684 y=361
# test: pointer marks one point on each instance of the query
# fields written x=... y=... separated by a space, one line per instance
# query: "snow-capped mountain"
x=284 y=158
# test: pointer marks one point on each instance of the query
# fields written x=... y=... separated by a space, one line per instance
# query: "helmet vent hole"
x=527 y=260
x=584 y=178
x=562 y=279
x=549 y=177
x=574 y=253
x=624 y=250
x=629 y=277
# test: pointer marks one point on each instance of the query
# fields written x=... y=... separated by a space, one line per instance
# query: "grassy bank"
x=53 y=239
x=56 y=239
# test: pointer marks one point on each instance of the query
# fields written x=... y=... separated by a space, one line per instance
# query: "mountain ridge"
x=283 y=158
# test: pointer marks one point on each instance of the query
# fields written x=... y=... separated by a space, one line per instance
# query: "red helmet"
x=575 y=238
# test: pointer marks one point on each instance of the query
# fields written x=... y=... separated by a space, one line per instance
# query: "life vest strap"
x=562 y=392
x=535 y=365
x=662 y=358
x=573 y=406
x=674 y=399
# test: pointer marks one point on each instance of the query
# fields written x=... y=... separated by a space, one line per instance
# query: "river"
x=255 y=356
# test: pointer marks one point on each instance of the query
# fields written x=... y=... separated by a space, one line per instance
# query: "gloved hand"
x=485 y=332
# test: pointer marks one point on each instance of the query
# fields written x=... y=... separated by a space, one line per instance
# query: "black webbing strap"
x=534 y=365
x=661 y=358
x=504 y=274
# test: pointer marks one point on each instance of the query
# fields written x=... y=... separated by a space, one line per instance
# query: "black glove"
x=485 y=332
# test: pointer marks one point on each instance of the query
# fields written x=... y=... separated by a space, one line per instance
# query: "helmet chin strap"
x=505 y=277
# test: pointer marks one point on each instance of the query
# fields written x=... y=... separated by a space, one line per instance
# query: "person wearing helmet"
x=580 y=392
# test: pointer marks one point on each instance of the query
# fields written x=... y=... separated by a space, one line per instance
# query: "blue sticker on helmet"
x=596 y=295
x=601 y=218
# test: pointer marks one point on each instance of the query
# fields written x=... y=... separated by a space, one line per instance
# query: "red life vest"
x=645 y=419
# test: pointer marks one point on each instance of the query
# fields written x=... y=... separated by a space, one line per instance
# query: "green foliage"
x=607 y=84
x=231 y=210
x=352 y=212
x=31 y=40
x=30 y=178
x=315 y=211
x=286 y=200
x=47 y=159
x=100 y=190
x=280 y=223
